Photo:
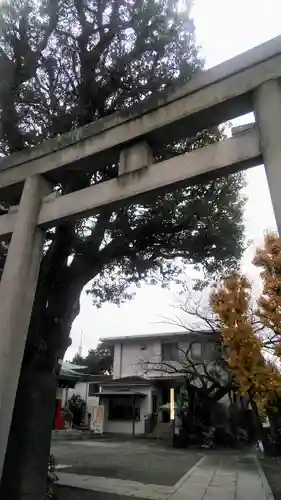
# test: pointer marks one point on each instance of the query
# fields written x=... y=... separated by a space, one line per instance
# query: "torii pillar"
x=267 y=105
x=17 y=290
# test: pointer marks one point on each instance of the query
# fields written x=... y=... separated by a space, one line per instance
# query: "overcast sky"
x=224 y=28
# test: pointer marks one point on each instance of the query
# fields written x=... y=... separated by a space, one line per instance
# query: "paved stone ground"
x=65 y=493
x=272 y=469
x=225 y=478
x=147 y=471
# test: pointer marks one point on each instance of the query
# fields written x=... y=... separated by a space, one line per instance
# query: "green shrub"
x=52 y=478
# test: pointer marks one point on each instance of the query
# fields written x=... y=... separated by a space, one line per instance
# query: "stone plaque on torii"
x=248 y=82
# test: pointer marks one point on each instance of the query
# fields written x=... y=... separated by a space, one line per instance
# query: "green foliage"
x=99 y=360
x=64 y=64
x=77 y=406
x=52 y=478
x=67 y=63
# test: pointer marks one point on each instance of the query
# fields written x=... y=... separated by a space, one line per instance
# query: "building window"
x=93 y=389
x=213 y=351
x=122 y=409
x=170 y=351
x=196 y=350
x=217 y=350
x=205 y=351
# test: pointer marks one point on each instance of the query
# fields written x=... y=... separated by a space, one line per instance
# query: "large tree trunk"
x=261 y=434
x=55 y=307
x=26 y=463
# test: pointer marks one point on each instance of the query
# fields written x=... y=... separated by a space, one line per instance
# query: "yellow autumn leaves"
x=244 y=333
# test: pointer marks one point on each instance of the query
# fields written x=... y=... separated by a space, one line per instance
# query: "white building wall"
x=80 y=389
x=143 y=359
x=124 y=427
x=135 y=356
x=91 y=402
x=117 y=361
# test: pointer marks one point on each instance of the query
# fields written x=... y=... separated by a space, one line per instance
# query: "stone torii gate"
x=248 y=82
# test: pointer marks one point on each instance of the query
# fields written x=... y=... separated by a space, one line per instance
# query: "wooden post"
x=267 y=104
x=17 y=290
x=134 y=414
x=158 y=423
x=172 y=413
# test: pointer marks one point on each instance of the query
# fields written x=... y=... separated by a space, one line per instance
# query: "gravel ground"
x=140 y=461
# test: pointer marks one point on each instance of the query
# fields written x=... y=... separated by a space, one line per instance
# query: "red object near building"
x=67 y=378
x=59 y=421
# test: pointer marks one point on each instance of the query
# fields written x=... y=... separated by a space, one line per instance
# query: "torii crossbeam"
x=248 y=82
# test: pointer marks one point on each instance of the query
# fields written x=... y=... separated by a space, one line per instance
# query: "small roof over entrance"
x=132 y=380
x=68 y=375
x=123 y=392
x=167 y=406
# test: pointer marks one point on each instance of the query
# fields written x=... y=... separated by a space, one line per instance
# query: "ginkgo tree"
x=269 y=303
x=251 y=328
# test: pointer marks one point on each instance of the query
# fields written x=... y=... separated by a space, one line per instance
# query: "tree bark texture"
x=261 y=434
x=26 y=462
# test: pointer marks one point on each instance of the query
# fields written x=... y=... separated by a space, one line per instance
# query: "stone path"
x=224 y=478
x=212 y=478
